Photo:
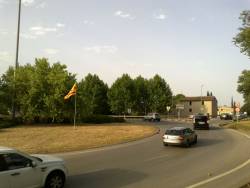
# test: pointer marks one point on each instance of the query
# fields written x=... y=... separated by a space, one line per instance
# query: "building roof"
x=204 y=98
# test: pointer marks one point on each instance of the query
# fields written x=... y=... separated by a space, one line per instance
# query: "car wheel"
x=187 y=144
x=55 y=180
x=195 y=140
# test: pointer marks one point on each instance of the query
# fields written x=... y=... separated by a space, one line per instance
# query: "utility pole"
x=201 y=98
x=16 y=62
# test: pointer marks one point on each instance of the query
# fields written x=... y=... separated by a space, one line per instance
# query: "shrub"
x=7 y=122
x=98 y=119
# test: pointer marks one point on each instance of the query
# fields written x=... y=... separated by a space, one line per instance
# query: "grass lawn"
x=54 y=139
x=243 y=126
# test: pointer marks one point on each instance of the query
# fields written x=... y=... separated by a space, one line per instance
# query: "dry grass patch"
x=243 y=126
x=54 y=139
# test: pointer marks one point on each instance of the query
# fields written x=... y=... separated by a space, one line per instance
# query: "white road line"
x=225 y=173
x=220 y=175
x=243 y=134
x=154 y=158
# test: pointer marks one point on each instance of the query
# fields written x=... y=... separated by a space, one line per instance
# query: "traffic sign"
x=180 y=106
x=237 y=109
x=129 y=110
x=238 y=105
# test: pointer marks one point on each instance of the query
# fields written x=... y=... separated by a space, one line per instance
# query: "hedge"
x=98 y=119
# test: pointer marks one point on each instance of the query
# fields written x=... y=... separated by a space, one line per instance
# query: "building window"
x=190 y=109
x=202 y=102
x=190 y=103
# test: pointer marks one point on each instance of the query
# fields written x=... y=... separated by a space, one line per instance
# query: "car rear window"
x=200 y=118
x=174 y=132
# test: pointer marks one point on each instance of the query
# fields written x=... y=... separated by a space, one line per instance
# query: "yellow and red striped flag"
x=72 y=92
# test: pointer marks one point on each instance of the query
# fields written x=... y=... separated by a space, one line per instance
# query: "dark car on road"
x=152 y=117
x=226 y=116
x=200 y=122
x=179 y=136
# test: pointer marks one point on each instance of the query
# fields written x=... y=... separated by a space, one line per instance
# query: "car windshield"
x=200 y=118
x=174 y=132
x=37 y=158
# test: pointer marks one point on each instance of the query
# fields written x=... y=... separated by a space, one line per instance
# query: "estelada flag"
x=72 y=92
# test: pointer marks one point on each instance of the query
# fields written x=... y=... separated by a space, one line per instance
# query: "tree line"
x=242 y=40
x=39 y=90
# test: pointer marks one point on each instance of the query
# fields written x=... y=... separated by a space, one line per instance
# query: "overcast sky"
x=188 y=42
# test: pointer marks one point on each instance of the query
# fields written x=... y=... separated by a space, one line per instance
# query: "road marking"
x=243 y=134
x=220 y=175
x=154 y=158
x=225 y=173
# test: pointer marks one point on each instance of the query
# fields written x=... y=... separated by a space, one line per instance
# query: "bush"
x=5 y=123
x=98 y=119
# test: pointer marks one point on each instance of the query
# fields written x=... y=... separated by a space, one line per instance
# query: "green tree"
x=177 y=99
x=244 y=83
x=57 y=82
x=246 y=107
x=242 y=39
x=244 y=88
x=92 y=93
x=160 y=94
x=5 y=97
x=121 y=95
x=39 y=90
x=141 y=95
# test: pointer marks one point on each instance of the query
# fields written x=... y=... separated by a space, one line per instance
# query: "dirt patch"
x=55 y=139
x=242 y=126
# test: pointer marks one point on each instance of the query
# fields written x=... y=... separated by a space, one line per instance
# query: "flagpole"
x=75 y=114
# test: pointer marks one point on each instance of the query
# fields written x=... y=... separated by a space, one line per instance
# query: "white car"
x=20 y=170
x=179 y=136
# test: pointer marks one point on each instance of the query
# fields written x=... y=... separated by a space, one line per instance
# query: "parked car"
x=200 y=122
x=226 y=116
x=20 y=170
x=152 y=117
x=179 y=136
x=240 y=116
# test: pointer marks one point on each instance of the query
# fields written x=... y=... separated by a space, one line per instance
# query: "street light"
x=16 y=62
x=201 y=97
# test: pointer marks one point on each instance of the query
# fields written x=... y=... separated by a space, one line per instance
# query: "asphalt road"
x=147 y=163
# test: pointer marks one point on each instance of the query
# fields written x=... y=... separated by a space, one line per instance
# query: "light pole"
x=201 y=97
x=168 y=108
x=16 y=62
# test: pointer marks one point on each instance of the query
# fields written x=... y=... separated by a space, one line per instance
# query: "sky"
x=187 y=42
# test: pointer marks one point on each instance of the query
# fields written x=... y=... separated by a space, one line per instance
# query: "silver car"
x=180 y=136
